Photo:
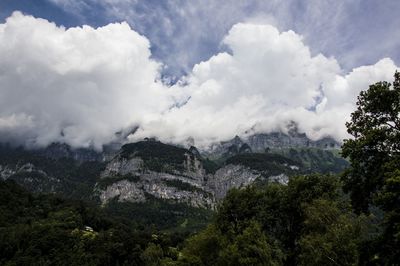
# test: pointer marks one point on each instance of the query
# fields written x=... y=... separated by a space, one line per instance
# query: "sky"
x=81 y=71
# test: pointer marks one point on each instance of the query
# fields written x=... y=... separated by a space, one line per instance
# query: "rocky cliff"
x=30 y=177
x=137 y=174
x=146 y=170
x=265 y=142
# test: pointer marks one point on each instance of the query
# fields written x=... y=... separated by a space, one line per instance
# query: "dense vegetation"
x=374 y=153
x=315 y=160
x=269 y=164
x=48 y=230
x=161 y=214
x=64 y=176
x=307 y=222
x=210 y=166
x=156 y=155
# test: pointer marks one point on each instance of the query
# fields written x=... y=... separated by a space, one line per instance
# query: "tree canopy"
x=374 y=151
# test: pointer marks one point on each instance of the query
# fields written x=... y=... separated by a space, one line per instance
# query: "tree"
x=265 y=224
x=374 y=151
x=330 y=235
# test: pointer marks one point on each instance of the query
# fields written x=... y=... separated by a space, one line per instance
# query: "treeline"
x=48 y=230
x=64 y=176
x=310 y=221
x=307 y=222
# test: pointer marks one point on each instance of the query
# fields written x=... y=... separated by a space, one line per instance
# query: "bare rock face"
x=262 y=142
x=123 y=166
x=175 y=174
x=176 y=180
x=124 y=190
x=190 y=185
x=278 y=140
x=231 y=176
x=30 y=177
x=193 y=168
x=6 y=172
x=281 y=179
x=158 y=185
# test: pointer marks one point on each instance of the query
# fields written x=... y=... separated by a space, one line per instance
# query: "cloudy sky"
x=80 y=71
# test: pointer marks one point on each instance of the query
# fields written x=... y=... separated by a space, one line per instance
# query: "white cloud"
x=270 y=78
x=78 y=85
x=81 y=85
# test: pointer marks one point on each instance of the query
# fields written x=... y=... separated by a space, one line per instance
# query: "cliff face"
x=157 y=185
x=231 y=176
x=123 y=166
x=178 y=177
x=279 y=140
x=145 y=170
x=30 y=177
x=269 y=141
x=129 y=177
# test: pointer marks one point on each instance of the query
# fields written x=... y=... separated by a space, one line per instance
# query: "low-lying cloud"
x=82 y=85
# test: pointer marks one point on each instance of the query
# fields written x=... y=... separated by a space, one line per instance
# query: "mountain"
x=146 y=179
x=265 y=142
x=151 y=169
x=40 y=172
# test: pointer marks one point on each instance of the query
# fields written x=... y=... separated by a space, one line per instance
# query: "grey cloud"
x=183 y=33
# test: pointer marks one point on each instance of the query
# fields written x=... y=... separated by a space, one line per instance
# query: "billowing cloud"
x=269 y=79
x=82 y=85
x=77 y=85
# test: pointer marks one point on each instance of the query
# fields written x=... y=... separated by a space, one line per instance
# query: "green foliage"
x=64 y=176
x=315 y=160
x=307 y=222
x=375 y=126
x=330 y=236
x=269 y=164
x=210 y=166
x=47 y=230
x=152 y=255
x=374 y=154
x=162 y=214
x=157 y=155
x=251 y=247
x=212 y=247
x=203 y=248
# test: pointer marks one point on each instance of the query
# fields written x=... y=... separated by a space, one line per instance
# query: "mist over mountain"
x=82 y=85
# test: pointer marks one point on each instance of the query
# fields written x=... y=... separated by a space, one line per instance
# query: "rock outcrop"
x=30 y=177
x=231 y=176
x=129 y=177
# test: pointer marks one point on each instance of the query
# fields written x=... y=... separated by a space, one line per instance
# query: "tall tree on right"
x=374 y=154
